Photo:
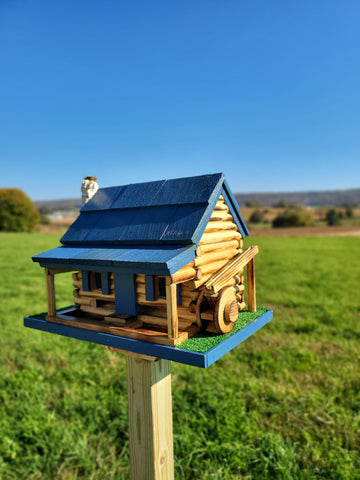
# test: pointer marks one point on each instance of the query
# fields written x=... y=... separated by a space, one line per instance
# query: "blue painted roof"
x=152 y=213
x=160 y=214
x=152 y=260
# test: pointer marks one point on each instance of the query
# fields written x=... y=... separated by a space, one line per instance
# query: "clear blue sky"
x=266 y=91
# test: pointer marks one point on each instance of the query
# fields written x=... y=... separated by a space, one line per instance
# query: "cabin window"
x=155 y=289
x=96 y=281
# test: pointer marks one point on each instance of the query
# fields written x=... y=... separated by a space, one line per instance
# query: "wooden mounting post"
x=251 y=285
x=50 y=286
x=150 y=419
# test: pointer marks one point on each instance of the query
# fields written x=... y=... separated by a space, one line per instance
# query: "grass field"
x=283 y=405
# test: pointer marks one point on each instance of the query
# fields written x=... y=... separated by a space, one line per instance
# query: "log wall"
x=94 y=302
x=220 y=242
x=157 y=308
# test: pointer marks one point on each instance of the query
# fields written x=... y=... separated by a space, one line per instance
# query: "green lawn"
x=285 y=404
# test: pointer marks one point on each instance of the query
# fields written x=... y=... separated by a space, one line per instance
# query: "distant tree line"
x=337 y=198
x=292 y=215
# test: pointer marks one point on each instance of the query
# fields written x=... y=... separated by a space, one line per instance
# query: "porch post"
x=172 y=313
x=50 y=287
x=251 y=285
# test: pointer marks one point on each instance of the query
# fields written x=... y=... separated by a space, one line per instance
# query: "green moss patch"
x=203 y=341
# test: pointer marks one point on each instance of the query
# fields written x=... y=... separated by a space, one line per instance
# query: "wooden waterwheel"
x=226 y=310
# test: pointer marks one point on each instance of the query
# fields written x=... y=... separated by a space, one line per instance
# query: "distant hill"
x=336 y=198
x=63 y=204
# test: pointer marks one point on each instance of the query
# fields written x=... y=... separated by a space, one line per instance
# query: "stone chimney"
x=88 y=188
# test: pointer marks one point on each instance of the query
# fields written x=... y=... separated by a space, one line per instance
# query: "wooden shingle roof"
x=153 y=226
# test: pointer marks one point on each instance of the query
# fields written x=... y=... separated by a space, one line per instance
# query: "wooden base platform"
x=175 y=354
x=130 y=327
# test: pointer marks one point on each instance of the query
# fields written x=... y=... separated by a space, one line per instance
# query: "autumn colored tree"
x=17 y=211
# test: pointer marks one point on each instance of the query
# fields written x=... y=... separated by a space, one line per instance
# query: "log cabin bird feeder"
x=156 y=261
x=154 y=264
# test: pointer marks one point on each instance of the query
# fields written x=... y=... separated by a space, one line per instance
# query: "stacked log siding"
x=94 y=301
x=220 y=242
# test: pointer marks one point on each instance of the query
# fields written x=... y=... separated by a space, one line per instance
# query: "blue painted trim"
x=180 y=260
x=148 y=269
x=150 y=288
x=202 y=225
x=174 y=354
x=85 y=275
x=178 y=294
x=234 y=209
x=105 y=283
x=207 y=214
x=125 y=293
x=159 y=261
x=240 y=336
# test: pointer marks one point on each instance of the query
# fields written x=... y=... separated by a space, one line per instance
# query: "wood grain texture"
x=221 y=207
x=134 y=331
x=216 y=226
x=214 y=266
x=211 y=257
x=161 y=311
x=150 y=419
x=221 y=236
x=198 y=308
x=224 y=314
x=213 y=247
x=50 y=287
x=221 y=216
x=185 y=301
x=201 y=360
x=188 y=272
x=79 y=300
x=172 y=311
x=131 y=354
x=251 y=285
x=198 y=283
x=97 y=311
x=232 y=268
x=96 y=295
x=152 y=321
